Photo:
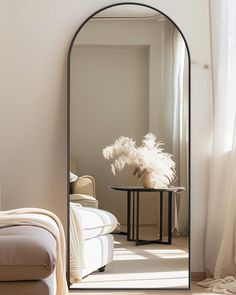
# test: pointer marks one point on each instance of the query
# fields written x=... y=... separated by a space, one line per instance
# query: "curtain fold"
x=176 y=97
x=180 y=140
x=220 y=250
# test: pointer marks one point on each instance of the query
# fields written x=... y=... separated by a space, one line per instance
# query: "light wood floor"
x=152 y=266
x=196 y=290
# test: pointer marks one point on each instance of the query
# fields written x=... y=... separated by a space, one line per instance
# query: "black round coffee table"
x=133 y=194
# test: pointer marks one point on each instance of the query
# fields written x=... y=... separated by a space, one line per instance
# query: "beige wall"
x=105 y=106
x=35 y=36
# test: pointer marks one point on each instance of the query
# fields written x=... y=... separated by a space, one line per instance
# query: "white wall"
x=35 y=36
x=109 y=94
x=115 y=83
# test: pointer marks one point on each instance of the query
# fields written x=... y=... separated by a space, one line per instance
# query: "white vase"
x=151 y=180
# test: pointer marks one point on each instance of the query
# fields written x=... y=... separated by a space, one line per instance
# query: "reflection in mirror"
x=129 y=76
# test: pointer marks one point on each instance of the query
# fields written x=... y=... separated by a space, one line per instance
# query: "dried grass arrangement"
x=150 y=164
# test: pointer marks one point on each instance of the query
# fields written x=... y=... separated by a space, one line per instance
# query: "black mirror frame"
x=68 y=148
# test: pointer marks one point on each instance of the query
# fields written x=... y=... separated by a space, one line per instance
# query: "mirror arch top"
x=148 y=8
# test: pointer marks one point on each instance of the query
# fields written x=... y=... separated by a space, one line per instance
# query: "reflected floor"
x=146 y=266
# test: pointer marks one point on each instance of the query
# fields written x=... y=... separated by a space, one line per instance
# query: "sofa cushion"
x=39 y=287
x=96 y=222
x=27 y=253
x=84 y=200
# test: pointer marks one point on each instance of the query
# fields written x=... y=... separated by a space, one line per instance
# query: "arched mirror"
x=128 y=113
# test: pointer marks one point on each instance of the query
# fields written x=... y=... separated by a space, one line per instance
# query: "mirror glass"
x=129 y=81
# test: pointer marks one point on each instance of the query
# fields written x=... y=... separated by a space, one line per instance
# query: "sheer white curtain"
x=180 y=140
x=175 y=85
x=220 y=253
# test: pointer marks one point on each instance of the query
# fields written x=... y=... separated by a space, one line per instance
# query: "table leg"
x=133 y=217
x=161 y=215
x=137 y=218
x=128 y=215
x=169 y=217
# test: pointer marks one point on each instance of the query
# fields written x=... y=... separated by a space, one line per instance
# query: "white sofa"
x=98 y=240
x=97 y=224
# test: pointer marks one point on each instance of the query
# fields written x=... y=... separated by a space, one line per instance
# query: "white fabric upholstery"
x=91 y=245
x=98 y=252
x=96 y=222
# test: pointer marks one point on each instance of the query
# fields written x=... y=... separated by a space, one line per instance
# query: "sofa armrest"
x=84 y=185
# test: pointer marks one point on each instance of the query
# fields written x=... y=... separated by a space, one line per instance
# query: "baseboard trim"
x=198 y=276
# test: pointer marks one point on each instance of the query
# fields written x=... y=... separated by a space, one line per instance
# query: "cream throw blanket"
x=76 y=244
x=49 y=221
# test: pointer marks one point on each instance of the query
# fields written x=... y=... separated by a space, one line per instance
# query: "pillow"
x=73 y=177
